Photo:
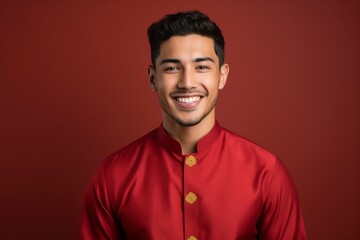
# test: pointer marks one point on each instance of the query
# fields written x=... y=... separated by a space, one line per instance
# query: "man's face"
x=187 y=79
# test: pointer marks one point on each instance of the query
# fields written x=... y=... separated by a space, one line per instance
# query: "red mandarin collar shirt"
x=231 y=189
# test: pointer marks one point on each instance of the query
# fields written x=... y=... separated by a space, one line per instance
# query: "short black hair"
x=181 y=24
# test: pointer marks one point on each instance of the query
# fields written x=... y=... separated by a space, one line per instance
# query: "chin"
x=188 y=123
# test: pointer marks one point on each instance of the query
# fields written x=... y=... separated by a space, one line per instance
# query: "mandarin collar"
x=174 y=146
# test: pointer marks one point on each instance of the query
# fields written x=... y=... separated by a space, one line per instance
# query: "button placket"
x=191 y=197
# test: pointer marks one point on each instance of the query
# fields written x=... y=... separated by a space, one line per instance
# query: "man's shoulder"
x=248 y=147
x=126 y=154
x=241 y=140
x=140 y=142
x=136 y=145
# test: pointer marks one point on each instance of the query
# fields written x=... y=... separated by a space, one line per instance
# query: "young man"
x=190 y=178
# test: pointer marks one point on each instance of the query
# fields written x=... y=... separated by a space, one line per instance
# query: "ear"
x=151 y=77
x=224 y=71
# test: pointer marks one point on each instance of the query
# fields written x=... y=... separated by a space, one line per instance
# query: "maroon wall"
x=74 y=89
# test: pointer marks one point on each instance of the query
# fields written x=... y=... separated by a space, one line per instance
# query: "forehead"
x=187 y=47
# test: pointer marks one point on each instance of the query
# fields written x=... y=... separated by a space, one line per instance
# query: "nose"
x=187 y=79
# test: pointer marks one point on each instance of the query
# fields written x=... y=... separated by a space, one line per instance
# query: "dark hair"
x=181 y=24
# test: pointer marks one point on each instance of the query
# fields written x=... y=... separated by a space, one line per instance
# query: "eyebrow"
x=196 y=60
x=203 y=59
x=170 y=60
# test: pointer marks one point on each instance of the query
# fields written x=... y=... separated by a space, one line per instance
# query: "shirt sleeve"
x=281 y=218
x=97 y=221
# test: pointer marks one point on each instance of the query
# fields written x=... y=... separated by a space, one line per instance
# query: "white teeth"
x=188 y=99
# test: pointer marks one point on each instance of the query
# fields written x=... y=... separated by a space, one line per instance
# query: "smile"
x=187 y=99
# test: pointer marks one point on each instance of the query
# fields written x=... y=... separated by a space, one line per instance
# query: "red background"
x=74 y=89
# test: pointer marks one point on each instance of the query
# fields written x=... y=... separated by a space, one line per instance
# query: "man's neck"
x=188 y=137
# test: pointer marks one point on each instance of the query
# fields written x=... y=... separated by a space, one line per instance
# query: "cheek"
x=168 y=82
x=211 y=81
x=163 y=88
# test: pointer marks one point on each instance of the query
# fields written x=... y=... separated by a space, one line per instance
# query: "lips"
x=187 y=103
x=187 y=99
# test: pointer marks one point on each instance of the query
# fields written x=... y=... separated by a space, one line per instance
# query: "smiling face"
x=187 y=78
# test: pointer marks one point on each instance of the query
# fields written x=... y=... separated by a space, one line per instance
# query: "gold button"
x=192 y=238
x=190 y=161
x=190 y=197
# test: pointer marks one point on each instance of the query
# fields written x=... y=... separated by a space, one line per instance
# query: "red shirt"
x=230 y=189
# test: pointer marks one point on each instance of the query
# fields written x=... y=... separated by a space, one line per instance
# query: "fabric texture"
x=229 y=189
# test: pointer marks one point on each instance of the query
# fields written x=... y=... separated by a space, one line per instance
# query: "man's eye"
x=171 y=69
x=202 y=67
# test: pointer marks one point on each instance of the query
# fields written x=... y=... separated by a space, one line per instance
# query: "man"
x=190 y=178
